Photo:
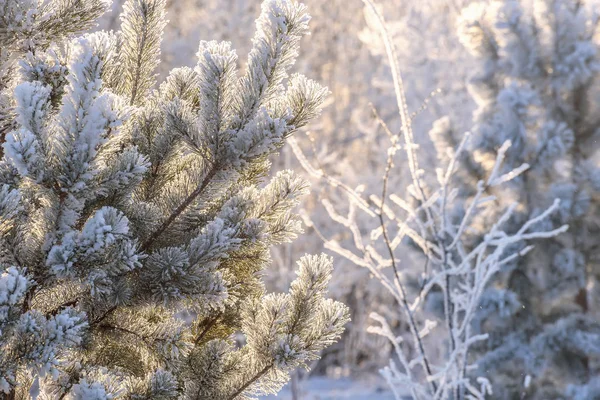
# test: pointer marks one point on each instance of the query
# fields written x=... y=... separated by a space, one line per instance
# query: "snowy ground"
x=320 y=388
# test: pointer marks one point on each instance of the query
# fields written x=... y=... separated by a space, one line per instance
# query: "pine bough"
x=133 y=220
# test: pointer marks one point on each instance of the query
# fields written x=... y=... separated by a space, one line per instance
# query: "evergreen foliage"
x=134 y=219
x=535 y=86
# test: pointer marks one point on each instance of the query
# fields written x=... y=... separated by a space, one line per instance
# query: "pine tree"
x=536 y=87
x=135 y=220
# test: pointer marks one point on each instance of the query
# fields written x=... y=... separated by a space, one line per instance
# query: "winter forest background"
x=154 y=203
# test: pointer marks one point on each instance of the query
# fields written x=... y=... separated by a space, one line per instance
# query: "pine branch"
x=138 y=68
x=180 y=209
x=207 y=328
x=250 y=382
x=142 y=26
x=62 y=306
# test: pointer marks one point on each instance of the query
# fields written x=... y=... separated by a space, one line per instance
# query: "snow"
x=323 y=388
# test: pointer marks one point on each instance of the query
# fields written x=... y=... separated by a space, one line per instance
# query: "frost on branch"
x=484 y=230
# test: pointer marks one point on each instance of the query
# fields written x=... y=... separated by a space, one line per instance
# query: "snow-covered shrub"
x=125 y=207
x=475 y=327
x=535 y=86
